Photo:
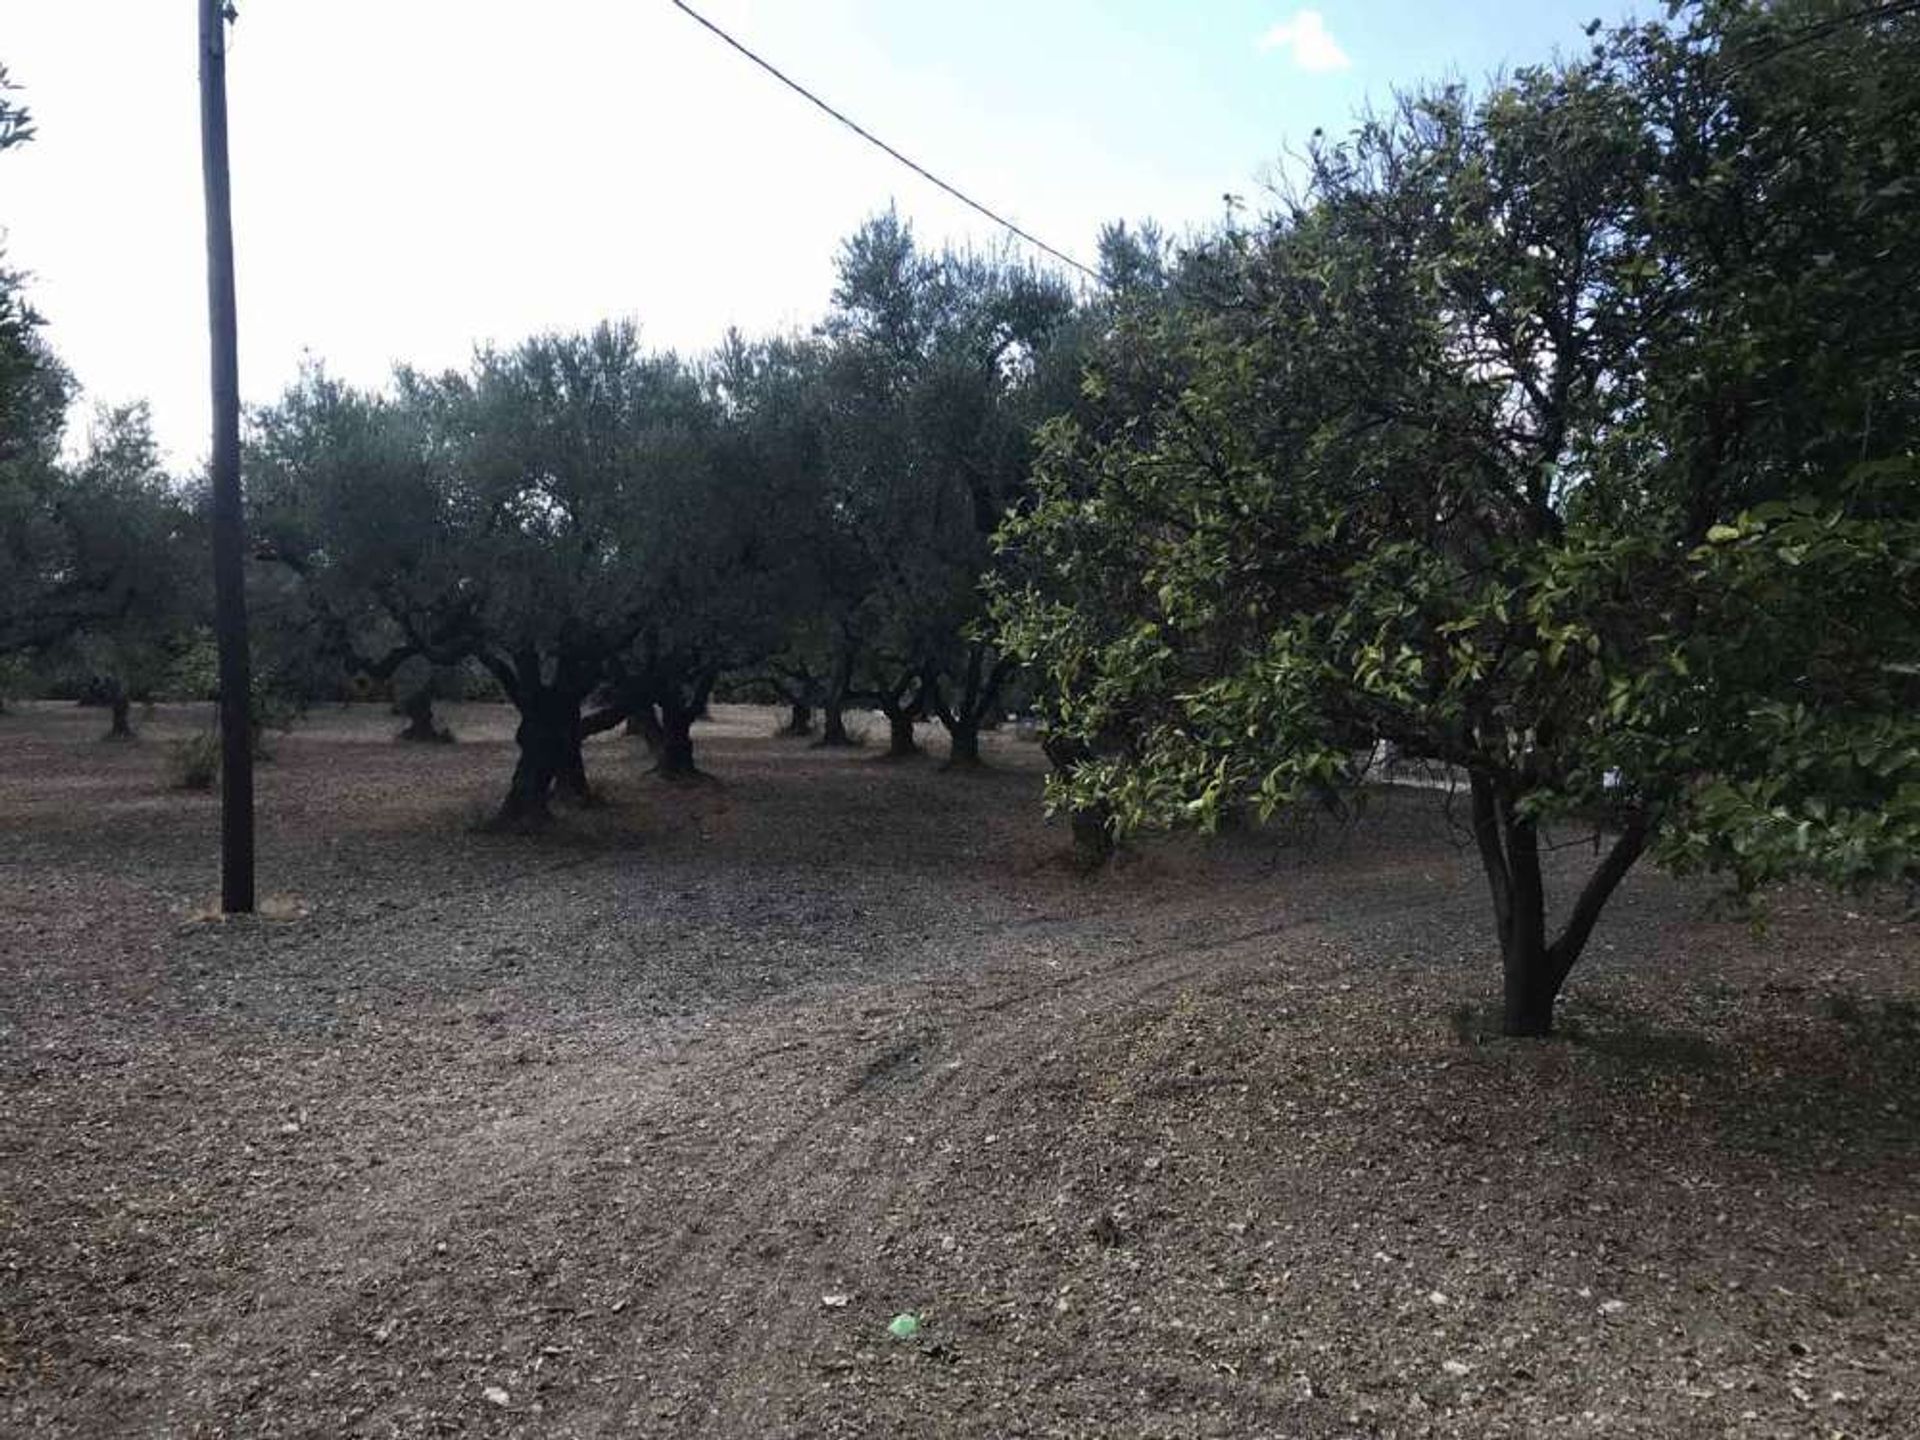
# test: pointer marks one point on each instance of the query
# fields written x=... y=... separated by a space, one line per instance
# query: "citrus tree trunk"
x=1090 y=825
x=1534 y=968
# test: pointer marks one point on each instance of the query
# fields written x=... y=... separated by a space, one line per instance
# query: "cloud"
x=1305 y=37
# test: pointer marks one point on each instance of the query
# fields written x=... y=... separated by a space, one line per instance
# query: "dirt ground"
x=649 y=1126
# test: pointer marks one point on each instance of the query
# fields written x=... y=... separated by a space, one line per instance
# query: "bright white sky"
x=412 y=177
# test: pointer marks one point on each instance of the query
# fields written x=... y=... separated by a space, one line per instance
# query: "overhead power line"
x=1820 y=29
x=879 y=144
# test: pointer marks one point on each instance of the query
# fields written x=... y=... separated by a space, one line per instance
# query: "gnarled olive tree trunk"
x=901 y=706
x=976 y=693
x=833 y=709
x=422 y=727
x=549 y=736
x=662 y=711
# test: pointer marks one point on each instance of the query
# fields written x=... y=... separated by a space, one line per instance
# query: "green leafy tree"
x=488 y=516
x=586 y=522
x=125 y=521
x=729 y=561
x=939 y=372
x=1562 y=434
x=42 y=595
x=94 y=555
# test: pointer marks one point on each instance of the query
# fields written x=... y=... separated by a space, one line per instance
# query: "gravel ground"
x=650 y=1125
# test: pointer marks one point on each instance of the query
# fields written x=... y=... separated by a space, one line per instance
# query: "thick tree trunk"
x=674 y=759
x=834 y=707
x=550 y=759
x=1092 y=836
x=963 y=745
x=979 y=692
x=529 y=793
x=833 y=732
x=833 y=724
x=799 y=719
x=122 y=704
x=1528 y=991
x=570 y=780
x=645 y=724
x=421 y=726
x=900 y=742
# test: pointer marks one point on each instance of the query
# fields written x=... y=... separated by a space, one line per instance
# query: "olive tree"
x=940 y=366
x=500 y=514
x=129 y=524
x=594 y=526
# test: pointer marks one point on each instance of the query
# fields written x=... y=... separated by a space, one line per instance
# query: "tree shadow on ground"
x=1821 y=1085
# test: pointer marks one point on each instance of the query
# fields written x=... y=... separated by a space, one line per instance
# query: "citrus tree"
x=1563 y=434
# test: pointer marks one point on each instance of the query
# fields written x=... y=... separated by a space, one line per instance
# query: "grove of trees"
x=1559 y=431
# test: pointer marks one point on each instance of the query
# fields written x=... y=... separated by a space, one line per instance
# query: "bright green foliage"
x=1563 y=434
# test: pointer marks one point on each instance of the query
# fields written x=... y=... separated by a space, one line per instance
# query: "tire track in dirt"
x=987 y=1047
x=959 y=1052
x=330 y=1252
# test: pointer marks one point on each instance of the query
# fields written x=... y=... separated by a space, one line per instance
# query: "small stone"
x=494 y=1395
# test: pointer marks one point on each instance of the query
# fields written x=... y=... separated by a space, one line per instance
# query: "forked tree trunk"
x=799 y=719
x=1534 y=969
x=979 y=693
x=901 y=705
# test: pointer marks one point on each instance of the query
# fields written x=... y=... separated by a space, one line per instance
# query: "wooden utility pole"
x=229 y=526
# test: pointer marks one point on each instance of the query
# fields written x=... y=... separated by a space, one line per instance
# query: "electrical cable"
x=879 y=144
